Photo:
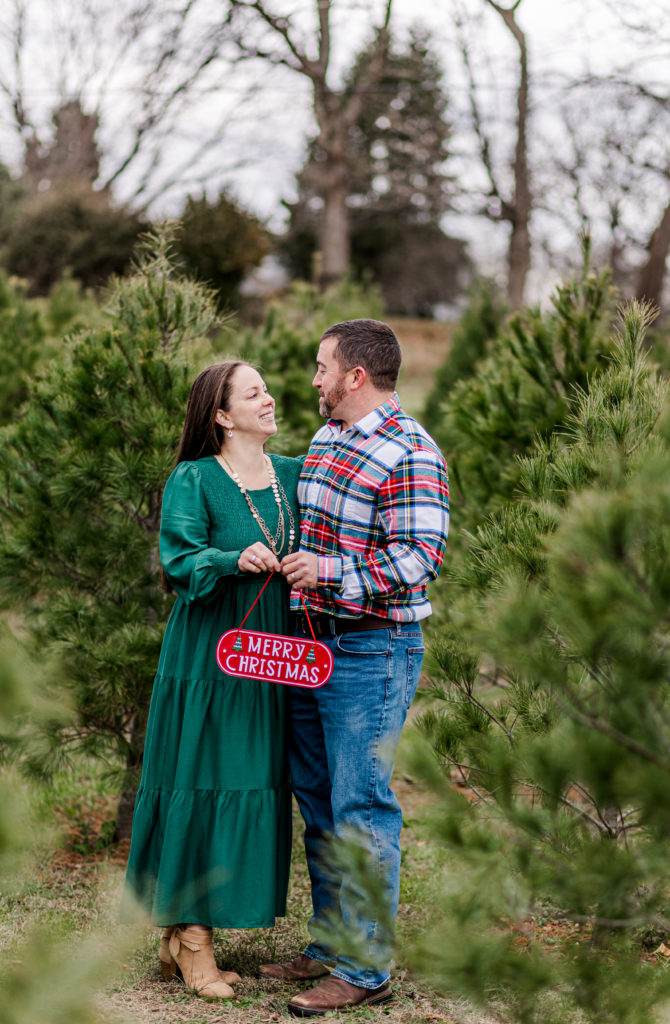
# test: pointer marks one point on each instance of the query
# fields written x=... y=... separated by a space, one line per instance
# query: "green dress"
x=212 y=826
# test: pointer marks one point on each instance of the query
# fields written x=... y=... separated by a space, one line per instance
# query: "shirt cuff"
x=329 y=571
x=219 y=563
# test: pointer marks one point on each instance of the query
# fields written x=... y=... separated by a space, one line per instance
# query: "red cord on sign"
x=274 y=658
x=302 y=598
x=256 y=601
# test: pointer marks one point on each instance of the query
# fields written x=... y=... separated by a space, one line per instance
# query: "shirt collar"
x=371 y=422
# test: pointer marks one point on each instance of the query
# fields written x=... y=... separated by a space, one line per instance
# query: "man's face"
x=330 y=381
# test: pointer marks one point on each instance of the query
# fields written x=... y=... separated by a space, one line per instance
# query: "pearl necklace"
x=277 y=542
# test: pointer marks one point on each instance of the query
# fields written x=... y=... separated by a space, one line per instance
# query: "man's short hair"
x=370 y=344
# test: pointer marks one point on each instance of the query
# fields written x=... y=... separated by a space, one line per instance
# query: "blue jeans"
x=343 y=739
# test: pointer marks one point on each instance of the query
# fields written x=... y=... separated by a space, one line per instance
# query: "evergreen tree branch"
x=591 y=720
x=471 y=699
x=62 y=570
x=496 y=680
x=597 y=823
x=646 y=435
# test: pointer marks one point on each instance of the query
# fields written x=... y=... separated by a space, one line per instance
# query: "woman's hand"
x=258 y=558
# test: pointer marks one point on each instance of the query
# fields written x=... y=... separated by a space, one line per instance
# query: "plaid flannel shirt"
x=374 y=507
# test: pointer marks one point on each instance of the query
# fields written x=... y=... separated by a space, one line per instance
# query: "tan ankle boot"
x=191 y=949
x=168 y=965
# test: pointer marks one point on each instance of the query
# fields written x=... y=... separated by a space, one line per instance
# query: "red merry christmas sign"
x=273 y=658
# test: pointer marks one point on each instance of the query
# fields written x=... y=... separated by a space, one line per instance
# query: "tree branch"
x=591 y=721
x=484 y=143
x=281 y=26
x=373 y=71
x=15 y=94
x=487 y=711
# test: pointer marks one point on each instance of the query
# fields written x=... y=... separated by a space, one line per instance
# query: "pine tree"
x=31 y=331
x=554 y=700
x=83 y=472
x=22 y=344
x=481 y=323
x=521 y=388
x=48 y=977
x=402 y=137
x=399 y=188
x=67 y=230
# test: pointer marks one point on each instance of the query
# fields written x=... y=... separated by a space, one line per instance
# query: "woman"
x=212 y=827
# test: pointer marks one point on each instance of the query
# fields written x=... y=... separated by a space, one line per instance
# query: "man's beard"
x=335 y=396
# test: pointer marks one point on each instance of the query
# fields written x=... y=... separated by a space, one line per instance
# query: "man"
x=374 y=516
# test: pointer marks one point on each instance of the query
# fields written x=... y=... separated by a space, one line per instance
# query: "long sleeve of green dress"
x=195 y=569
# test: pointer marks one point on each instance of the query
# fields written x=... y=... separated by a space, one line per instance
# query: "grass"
x=72 y=894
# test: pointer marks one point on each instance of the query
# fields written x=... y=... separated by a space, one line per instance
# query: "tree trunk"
x=334 y=232
x=518 y=262
x=335 y=112
x=126 y=806
x=519 y=247
x=652 y=275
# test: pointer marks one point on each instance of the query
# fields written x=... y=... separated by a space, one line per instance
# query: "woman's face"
x=251 y=409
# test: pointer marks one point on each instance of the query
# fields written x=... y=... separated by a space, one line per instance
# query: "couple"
x=357 y=530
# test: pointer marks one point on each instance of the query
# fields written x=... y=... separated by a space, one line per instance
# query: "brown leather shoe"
x=336 y=994
x=301 y=969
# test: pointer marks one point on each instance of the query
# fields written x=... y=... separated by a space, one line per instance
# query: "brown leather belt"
x=326 y=625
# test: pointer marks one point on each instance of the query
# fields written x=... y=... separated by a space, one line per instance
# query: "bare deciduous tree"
x=509 y=202
x=652 y=274
x=611 y=173
x=260 y=34
x=132 y=66
x=643 y=84
x=517 y=209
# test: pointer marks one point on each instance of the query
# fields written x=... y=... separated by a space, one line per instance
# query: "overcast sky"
x=260 y=140
x=565 y=38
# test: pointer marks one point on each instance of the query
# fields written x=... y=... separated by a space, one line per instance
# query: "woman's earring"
x=230 y=433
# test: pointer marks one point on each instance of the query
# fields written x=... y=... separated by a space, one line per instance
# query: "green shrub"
x=218 y=242
x=70 y=231
x=552 y=698
x=83 y=472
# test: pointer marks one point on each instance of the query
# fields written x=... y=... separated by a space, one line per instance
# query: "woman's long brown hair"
x=210 y=391
x=202 y=435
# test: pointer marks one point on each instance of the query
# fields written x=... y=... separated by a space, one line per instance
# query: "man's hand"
x=301 y=569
